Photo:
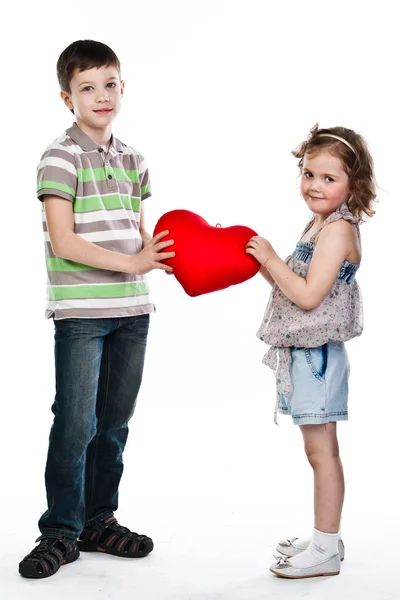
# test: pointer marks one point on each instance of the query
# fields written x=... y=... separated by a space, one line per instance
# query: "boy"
x=92 y=188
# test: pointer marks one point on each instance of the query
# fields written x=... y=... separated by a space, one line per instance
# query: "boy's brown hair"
x=83 y=55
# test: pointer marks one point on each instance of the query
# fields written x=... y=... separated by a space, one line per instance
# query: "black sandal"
x=48 y=557
x=110 y=537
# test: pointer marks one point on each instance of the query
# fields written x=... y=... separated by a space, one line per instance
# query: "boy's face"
x=95 y=96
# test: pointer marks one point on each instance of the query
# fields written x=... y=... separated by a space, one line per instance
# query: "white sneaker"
x=283 y=568
x=293 y=547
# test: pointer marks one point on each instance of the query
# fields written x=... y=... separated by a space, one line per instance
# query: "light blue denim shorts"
x=320 y=385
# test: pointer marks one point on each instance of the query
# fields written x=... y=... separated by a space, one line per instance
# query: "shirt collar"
x=87 y=144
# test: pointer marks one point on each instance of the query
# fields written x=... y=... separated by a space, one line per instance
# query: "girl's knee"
x=320 y=443
x=318 y=456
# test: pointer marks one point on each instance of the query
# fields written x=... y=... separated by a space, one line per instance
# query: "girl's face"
x=324 y=183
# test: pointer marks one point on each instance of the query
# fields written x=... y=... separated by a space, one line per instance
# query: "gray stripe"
x=48 y=192
x=144 y=178
x=122 y=246
x=101 y=313
x=106 y=226
x=91 y=277
x=48 y=250
x=102 y=226
x=57 y=153
x=51 y=173
x=128 y=161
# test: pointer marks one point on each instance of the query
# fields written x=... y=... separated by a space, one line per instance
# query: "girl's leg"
x=322 y=450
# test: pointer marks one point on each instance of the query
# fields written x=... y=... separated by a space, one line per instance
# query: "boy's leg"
x=120 y=379
x=78 y=354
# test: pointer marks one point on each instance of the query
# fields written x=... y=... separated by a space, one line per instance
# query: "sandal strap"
x=120 y=537
x=123 y=539
x=124 y=531
x=47 y=553
x=92 y=533
x=45 y=546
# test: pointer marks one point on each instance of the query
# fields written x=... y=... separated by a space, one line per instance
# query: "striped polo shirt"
x=106 y=190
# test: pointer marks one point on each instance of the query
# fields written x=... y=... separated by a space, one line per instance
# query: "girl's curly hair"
x=358 y=165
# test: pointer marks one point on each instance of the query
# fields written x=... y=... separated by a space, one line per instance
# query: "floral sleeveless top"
x=339 y=317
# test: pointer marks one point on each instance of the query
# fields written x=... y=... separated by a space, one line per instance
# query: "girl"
x=315 y=306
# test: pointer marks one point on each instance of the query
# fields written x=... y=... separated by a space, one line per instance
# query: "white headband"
x=337 y=138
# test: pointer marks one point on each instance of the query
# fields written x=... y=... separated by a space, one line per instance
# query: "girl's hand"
x=261 y=249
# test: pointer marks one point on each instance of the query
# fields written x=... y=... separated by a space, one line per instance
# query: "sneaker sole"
x=304 y=576
x=96 y=548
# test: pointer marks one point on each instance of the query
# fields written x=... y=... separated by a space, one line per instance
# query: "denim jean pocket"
x=142 y=323
x=317 y=359
x=137 y=327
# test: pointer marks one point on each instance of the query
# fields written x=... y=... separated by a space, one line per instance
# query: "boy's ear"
x=122 y=87
x=66 y=99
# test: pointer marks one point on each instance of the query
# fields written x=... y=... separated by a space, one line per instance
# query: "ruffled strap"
x=342 y=212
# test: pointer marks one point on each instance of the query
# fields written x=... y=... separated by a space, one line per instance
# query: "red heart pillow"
x=207 y=258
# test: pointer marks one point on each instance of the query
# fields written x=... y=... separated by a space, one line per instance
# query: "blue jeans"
x=99 y=364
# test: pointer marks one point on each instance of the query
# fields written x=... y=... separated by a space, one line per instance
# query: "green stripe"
x=101 y=173
x=91 y=203
x=60 y=264
x=145 y=189
x=55 y=185
x=119 y=290
x=132 y=174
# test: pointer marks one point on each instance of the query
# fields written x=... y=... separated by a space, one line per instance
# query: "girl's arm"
x=335 y=243
x=265 y=273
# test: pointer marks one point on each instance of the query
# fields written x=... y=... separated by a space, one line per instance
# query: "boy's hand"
x=261 y=249
x=151 y=256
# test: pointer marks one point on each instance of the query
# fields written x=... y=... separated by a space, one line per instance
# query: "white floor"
x=215 y=510
x=206 y=554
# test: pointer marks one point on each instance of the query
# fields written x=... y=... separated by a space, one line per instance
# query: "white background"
x=217 y=94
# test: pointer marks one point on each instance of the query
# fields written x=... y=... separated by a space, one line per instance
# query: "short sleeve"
x=144 y=179
x=56 y=174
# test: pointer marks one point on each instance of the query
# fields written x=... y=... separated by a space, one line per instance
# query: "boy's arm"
x=146 y=237
x=145 y=192
x=68 y=245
